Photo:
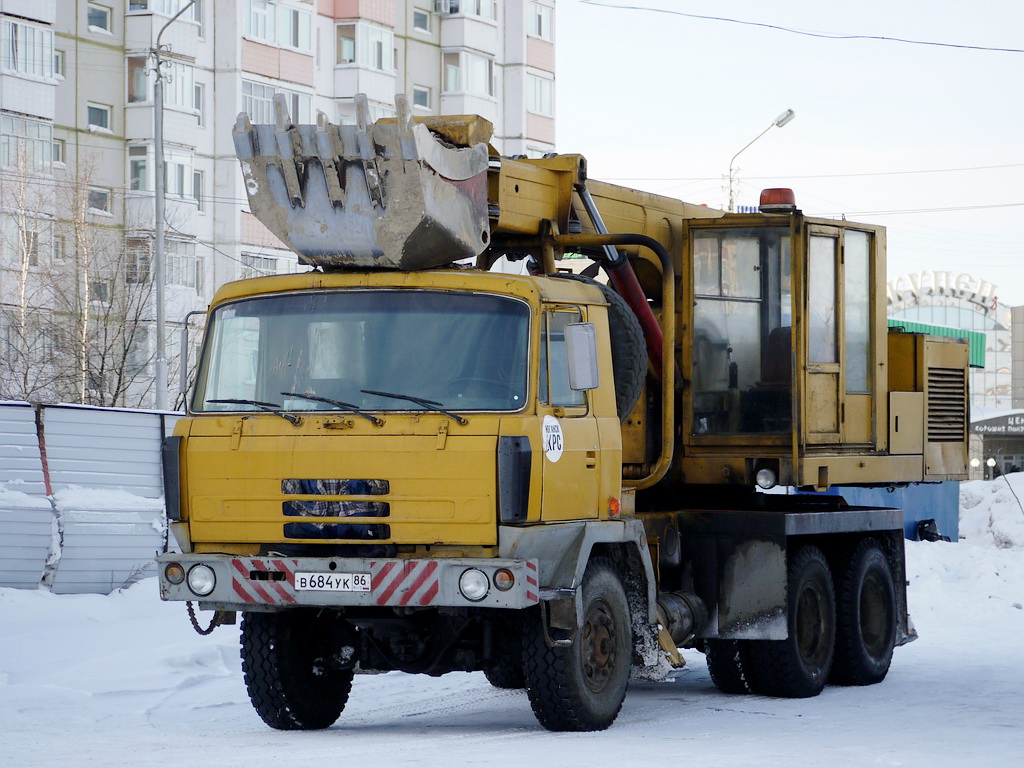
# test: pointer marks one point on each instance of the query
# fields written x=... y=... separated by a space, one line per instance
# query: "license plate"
x=333 y=582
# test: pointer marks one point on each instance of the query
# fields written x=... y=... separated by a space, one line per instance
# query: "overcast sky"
x=927 y=140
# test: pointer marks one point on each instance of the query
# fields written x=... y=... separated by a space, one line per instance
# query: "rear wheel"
x=866 y=611
x=798 y=667
x=581 y=687
x=726 y=665
x=290 y=660
x=506 y=673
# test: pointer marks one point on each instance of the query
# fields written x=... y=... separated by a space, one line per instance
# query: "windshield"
x=373 y=350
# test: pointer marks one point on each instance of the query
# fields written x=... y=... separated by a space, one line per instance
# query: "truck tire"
x=727 y=665
x=284 y=658
x=866 y=617
x=629 y=350
x=798 y=667
x=581 y=687
x=507 y=674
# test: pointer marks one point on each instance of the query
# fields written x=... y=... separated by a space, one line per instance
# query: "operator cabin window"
x=742 y=344
x=554 y=371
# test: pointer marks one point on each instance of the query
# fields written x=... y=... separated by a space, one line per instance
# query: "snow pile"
x=992 y=512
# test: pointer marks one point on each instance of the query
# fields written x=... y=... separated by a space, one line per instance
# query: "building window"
x=540 y=21
x=26 y=241
x=58 y=63
x=98 y=17
x=98 y=199
x=197 y=101
x=178 y=173
x=468 y=72
x=368 y=45
x=197 y=189
x=420 y=20
x=138 y=259
x=538 y=96
x=60 y=247
x=138 y=169
x=258 y=102
x=140 y=83
x=182 y=266
x=27 y=50
x=295 y=28
x=421 y=97
x=26 y=143
x=257 y=266
x=99 y=291
x=179 y=84
x=482 y=8
x=98 y=116
x=259 y=21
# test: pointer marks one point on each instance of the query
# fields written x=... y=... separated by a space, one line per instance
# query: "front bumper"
x=269 y=583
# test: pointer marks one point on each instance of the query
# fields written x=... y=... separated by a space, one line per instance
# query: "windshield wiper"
x=274 y=408
x=340 y=403
x=430 y=405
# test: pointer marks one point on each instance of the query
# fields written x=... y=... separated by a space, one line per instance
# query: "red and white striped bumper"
x=252 y=583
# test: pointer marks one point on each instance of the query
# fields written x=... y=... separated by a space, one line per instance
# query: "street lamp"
x=158 y=215
x=778 y=122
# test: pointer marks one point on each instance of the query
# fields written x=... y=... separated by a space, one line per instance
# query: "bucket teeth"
x=371 y=195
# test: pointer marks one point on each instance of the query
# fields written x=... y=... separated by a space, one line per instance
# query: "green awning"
x=976 y=339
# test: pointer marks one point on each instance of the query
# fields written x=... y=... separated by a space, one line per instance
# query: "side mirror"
x=581 y=350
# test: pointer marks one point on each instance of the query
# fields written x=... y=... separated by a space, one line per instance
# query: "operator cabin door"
x=839 y=378
x=569 y=430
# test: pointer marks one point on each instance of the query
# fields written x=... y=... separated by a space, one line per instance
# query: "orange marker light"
x=613 y=507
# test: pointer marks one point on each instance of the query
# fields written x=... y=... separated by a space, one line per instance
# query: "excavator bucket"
x=388 y=195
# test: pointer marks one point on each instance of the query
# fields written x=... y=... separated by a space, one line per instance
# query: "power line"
x=825 y=35
x=819 y=175
x=926 y=210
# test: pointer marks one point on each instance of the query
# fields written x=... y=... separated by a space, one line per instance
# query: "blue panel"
x=921 y=501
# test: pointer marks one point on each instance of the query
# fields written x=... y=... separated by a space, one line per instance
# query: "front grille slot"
x=353 y=504
x=947 y=405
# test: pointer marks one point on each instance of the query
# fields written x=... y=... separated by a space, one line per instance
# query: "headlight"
x=473 y=584
x=765 y=478
x=174 y=573
x=201 y=580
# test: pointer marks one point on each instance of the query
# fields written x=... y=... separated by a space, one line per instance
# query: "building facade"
x=79 y=152
x=960 y=301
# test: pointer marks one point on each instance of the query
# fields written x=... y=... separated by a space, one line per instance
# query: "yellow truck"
x=441 y=449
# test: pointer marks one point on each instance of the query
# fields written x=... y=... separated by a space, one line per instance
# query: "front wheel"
x=581 y=687
x=798 y=667
x=866 y=605
x=291 y=664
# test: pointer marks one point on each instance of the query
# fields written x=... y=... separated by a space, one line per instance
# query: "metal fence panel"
x=20 y=464
x=104 y=449
x=105 y=550
x=26 y=516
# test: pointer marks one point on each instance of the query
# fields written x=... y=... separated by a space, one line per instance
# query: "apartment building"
x=77 y=100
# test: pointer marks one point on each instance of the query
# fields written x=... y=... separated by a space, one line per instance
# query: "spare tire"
x=629 y=350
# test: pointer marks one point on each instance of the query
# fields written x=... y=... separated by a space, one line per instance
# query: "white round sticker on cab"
x=552 y=436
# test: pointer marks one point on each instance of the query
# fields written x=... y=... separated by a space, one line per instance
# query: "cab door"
x=569 y=430
x=822 y=400
x=841 y=372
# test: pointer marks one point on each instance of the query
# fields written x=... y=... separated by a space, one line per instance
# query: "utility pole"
x=159 y=275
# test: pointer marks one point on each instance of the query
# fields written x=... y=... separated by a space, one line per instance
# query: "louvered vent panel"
x=947 y=405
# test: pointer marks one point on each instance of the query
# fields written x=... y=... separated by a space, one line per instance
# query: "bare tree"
x=28 y=338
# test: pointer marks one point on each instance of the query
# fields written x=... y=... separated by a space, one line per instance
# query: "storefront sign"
x=1001 y=425
x=911 y=288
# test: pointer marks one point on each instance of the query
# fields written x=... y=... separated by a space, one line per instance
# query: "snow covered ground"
x=122 y=680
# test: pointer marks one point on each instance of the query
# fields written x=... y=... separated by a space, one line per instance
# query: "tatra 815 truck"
x=439 y=449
